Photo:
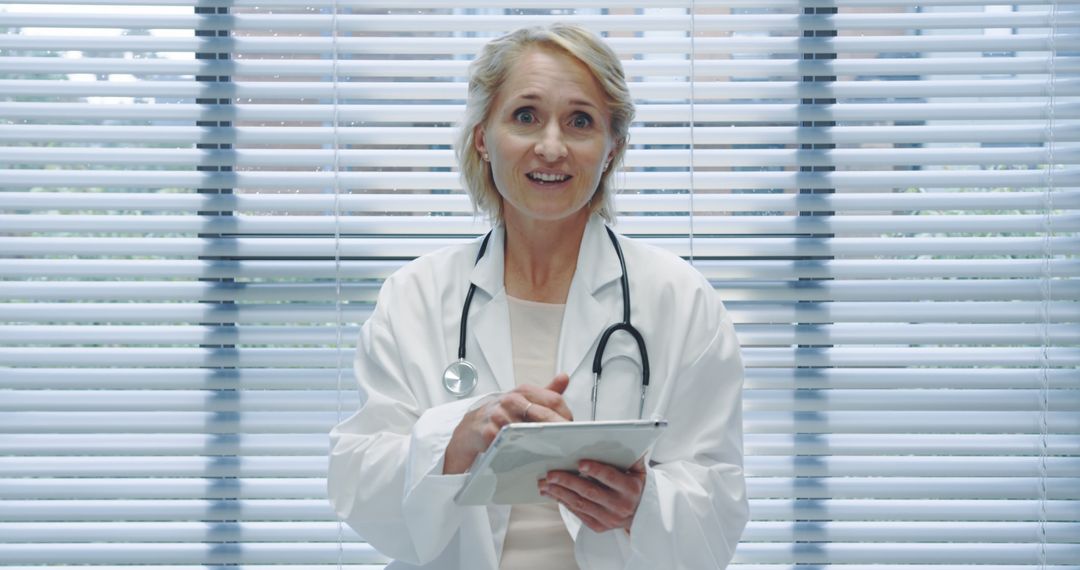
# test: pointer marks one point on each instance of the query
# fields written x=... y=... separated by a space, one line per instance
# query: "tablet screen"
x=523 y=453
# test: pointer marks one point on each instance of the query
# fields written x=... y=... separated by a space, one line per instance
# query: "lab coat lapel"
x=490 y=319
x=585 y=316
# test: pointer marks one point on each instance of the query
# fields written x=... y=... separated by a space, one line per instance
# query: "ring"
x=525 y=414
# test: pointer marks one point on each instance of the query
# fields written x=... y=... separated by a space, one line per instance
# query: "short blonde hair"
x=486 y=76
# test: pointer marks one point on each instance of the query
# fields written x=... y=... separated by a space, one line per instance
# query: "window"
x=199 y=201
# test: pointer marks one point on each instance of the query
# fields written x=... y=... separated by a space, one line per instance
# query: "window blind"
x=199 y=201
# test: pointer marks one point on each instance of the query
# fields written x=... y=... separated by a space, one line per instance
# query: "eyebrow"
x=575 y=102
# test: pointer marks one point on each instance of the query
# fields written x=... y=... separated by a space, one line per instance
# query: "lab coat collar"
x=585 y=317
x=490 y=318
x=487 y=274
x=597 y=263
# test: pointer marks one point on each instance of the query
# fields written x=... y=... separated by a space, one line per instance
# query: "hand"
x=522 y=404
x=603 y=497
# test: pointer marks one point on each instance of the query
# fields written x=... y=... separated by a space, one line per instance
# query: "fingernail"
x=584 y=467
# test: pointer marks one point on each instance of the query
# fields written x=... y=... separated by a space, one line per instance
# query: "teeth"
x=548 y=177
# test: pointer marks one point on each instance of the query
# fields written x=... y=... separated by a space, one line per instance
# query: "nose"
x=550 y=146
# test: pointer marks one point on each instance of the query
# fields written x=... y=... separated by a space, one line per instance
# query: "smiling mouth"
x=545 y=178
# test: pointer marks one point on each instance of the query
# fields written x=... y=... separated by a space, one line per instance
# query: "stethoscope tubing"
x=462 y=368
x=468 y=302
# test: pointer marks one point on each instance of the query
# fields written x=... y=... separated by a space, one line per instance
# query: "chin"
x=541 y=208
x=555 y=215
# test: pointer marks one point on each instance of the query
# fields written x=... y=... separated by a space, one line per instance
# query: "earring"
x=486 y=157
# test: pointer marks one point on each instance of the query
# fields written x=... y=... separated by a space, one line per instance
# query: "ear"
x=615 y=148
x=611 y=156
x=478 y=140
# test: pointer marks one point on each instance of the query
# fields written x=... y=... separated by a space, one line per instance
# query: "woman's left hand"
x=603 y=497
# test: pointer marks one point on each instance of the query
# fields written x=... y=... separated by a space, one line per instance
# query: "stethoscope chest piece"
x=460 y=378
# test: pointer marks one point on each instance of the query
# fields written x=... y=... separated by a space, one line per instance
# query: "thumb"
x=559 y=383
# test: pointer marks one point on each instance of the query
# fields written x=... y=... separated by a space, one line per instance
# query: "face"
x=548 y=137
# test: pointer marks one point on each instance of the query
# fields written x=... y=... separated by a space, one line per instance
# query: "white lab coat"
x=385 y=474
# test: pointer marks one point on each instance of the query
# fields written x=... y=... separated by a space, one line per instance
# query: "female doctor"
x=548 y=116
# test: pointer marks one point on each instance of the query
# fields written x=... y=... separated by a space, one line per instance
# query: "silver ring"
x=525 y=414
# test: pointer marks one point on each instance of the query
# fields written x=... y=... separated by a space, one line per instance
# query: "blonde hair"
x=486 y=76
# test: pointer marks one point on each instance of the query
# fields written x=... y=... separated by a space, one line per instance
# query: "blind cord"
x=338 y=320
x=1046 y=292
x=693 y=97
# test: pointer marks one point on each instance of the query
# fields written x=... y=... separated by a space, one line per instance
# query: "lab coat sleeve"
x=694 y=506
x=385 y=472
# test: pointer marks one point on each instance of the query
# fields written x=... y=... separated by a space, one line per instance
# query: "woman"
x=548 y=115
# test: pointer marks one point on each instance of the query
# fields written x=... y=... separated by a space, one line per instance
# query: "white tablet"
x=523 y=453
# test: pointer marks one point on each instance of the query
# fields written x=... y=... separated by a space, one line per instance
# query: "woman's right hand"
x=522 y=404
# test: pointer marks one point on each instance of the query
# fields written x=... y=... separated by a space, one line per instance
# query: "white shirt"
x=536 y=538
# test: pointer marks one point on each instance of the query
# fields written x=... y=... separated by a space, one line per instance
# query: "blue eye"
x=524 y=116
x=581 y=121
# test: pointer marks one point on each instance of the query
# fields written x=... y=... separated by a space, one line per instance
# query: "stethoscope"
x=460 y=376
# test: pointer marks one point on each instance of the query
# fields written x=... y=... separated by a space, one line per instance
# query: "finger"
x=628 y=483
x=524 y=404
x=582 y=506
x=517 y=407
x=586 y=519
x=550 y=396
x=540 y=413
x=593 y=524
x=498 y=419
x=553 y=401
x=559 y=383
x=589 y=490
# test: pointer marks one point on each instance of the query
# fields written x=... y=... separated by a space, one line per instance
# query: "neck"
x=541 y=256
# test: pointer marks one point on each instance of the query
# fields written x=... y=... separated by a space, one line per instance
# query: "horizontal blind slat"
x=751 y=334
x=803 y=486
x=748 y=269
x=27 y=445
x=427 y=181
x=326 y=378
x=319 y=510
x=999 y=131
x=704 y=224
x=447 y=114
x=311 y=400
x=887 y=422
x=468 y=45
x=846 y=356
x=705 y=246
x=458 y=203
x=740 y=311
x=862 y=531
x=502 y=24
x=210 y=553
x=791 y=66
x=137 y=157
